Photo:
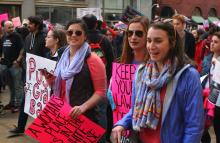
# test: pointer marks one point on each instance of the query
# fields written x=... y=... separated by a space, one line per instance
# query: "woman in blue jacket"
x=167 y=102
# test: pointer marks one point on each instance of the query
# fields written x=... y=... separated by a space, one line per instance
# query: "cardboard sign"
x=55 y=125
x=122 y=76
x=37 y=90
x=16 y=21
x=80 y=12
x=3 y=17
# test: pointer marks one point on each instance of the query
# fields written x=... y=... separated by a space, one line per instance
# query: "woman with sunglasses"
x=56 y=42
x=134 y=48
x=167 y=102
x=80 y=77
x=134 y=45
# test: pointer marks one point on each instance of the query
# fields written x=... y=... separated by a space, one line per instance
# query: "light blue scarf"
x=66 y=70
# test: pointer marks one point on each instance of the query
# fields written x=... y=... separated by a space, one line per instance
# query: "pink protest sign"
x=55 y=125
x=16 y=21
x=3 y=16
x=122 y=76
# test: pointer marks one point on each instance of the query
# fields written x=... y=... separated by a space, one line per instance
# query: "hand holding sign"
x=55 y=125
x=77 y=110
x=48 y=76
x=116 y=134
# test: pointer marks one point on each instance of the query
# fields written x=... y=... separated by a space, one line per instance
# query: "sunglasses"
x=138 y=33
x=70 y=32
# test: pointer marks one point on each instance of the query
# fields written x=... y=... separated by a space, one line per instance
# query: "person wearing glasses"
x=79 y=78
x=134 y=45
x=133 y=52
x=167 y=104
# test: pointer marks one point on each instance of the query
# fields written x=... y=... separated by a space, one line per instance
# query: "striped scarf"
x=147 y=106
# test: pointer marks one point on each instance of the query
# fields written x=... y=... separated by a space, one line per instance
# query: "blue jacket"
x=183 y=115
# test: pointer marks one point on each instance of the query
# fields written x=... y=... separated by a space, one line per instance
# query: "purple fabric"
x=66 y=70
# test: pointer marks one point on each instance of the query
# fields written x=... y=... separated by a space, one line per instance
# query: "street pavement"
x=8 y=120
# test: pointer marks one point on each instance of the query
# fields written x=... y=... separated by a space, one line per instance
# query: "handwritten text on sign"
x=55 y=125
x=122 y=76
x=37 y=90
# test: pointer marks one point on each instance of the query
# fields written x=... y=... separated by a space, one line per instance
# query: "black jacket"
x=11 y=47
x=36 y=44
x=190 y=45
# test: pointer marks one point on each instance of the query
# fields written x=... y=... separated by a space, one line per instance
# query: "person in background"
x=2 y=81
x=12 y=44
x=23 y=31
x=213 y=111
x=199 y=48
x=103 y=48
x=116 y=40
x=206 y=53
x=187 y=38
x=79 y=78
x=34 y=44
x=56 y=42
x=165 y=108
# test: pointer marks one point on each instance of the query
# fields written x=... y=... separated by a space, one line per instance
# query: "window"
x=61 y=14
x=44 y=12
x=57 y=14
x=197 y=12
x=212 y=12
x=12 y=10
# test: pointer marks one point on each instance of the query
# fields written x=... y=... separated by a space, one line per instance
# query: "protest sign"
x=16 y=21
x=122 y=76
x=214 y=96
x=37 y=91
x=54 y=124
x=3 y=17
x=80 y=12
x=129 y=13
x=216 y=70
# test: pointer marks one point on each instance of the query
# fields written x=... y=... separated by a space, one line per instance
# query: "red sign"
x=54 y=124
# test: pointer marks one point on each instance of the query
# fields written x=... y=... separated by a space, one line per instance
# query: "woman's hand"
x=48 y=76
x=77 y=110
x=116 y=134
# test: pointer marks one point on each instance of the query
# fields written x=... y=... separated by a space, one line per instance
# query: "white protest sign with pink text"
x=37 y=91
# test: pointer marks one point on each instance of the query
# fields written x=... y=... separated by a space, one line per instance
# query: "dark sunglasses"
x=138 y=33
x=70 y=32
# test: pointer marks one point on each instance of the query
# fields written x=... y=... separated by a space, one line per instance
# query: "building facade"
x=198 y=10
x=60 y=11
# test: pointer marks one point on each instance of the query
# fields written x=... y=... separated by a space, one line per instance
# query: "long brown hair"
x=127 y=53
x=176 y=53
